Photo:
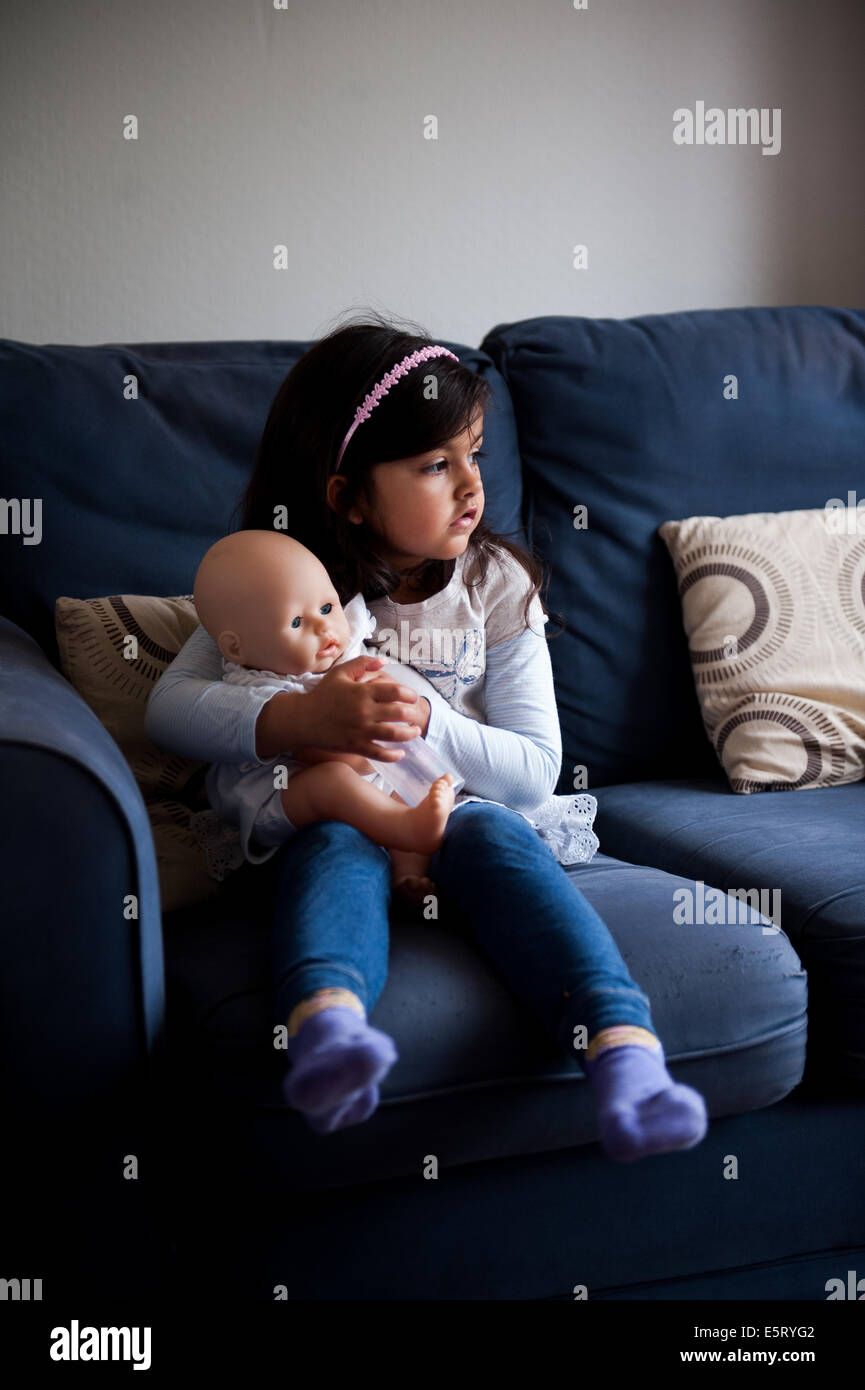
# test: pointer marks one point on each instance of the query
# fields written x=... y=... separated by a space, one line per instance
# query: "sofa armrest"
x=82 y=985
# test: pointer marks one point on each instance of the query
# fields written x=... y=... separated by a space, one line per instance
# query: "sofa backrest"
x=133 y=491
x=645 y=420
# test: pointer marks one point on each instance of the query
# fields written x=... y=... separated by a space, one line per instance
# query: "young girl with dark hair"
x=369 y=457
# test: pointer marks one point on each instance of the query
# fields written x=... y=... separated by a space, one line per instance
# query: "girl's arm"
x=194 y=712
x=516 y=756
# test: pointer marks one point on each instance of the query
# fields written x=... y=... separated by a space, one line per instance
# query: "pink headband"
x=371 y=400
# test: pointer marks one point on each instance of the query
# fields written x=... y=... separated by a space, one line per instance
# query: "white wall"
x=304 y=126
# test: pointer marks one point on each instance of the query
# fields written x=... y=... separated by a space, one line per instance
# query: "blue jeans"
x=545 y=938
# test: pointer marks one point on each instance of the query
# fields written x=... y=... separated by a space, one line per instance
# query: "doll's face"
x=300 y=628
x=270 y=605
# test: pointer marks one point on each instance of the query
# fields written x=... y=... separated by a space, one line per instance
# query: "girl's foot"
x=642 y=1110
x=353 y=1111
x=335 y=1057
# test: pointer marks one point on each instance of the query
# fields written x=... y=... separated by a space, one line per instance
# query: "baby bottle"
x=413 y=775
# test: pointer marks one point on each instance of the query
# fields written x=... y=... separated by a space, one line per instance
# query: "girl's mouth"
x=330 y=650
x=464 y=521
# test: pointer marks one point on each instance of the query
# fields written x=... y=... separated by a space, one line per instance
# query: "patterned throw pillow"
x=115 y=676
x=773 y=605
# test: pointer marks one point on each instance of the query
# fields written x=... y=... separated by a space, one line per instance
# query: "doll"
x=271 y=608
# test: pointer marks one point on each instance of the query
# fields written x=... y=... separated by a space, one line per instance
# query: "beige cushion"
x=116 y=678
x=774 y=610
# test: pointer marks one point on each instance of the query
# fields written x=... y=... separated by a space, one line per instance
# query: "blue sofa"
x=151 y=1039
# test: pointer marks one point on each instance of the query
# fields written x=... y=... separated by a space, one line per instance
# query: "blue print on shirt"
x=468 y=666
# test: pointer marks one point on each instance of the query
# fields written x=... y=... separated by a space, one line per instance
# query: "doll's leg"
x=334 y=791
x=329 y=954
x=559 y=957
x=409 y=872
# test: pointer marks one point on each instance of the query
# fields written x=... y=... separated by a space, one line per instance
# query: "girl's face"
x=426 y=507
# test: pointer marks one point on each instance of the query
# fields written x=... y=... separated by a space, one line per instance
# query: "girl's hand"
x=424 y=709
x=356 y=703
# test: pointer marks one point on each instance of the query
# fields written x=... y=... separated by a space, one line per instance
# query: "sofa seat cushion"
x=807 y=845
x=477 y=1078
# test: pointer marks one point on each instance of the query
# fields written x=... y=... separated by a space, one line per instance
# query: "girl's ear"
x=335 y=488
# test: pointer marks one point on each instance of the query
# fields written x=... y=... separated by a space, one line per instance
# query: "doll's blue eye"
x=295 y=622
x=326 y=607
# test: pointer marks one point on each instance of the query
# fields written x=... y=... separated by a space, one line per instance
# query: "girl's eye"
x=326 y=607
x=295 y=622
x=443 y=463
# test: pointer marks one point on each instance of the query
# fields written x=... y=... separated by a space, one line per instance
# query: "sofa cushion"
x=477 y=1076
x=133 y=491
x=806 y=848
x=637 y=421
x=773 y=604
x=116 y=678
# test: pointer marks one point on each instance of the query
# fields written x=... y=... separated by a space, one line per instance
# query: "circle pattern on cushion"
x=799 y=723
x=842 y=573
x=773 y=607
x=745 y=614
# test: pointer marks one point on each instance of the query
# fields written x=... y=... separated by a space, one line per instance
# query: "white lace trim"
x=220 y=841
x=565 y=824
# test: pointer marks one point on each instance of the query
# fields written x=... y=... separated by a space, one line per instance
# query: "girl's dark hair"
x=310 y=415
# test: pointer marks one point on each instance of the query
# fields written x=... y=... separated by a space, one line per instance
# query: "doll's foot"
x=409 y=876
x=334 y=1055
x=429 y=818
x=415 y=890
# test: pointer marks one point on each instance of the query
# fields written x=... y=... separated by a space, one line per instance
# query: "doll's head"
x=269 y=604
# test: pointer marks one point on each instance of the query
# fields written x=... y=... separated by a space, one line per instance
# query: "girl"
x=370 y=458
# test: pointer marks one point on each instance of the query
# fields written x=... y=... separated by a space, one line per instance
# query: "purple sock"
x=353 y=1111
x=641 y=1109
x=336 y=1060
